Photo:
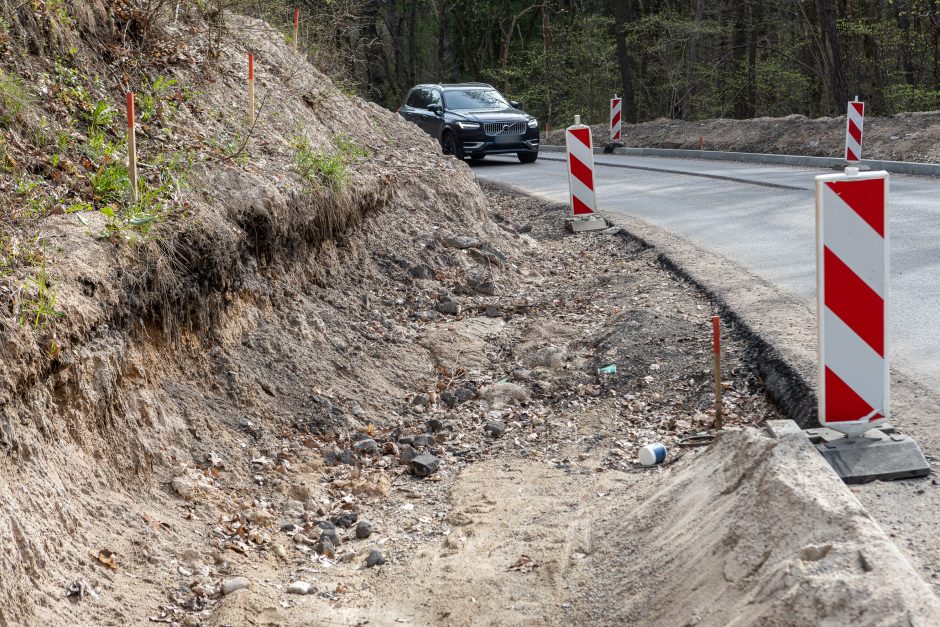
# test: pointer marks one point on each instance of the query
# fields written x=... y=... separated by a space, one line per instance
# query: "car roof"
x=449 y=86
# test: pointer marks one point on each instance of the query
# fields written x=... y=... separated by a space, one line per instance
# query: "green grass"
x=328 y=170
x=111 y=183
x=316 y=167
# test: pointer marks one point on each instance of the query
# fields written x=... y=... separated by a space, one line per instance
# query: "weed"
x=316 y=167
x=14 y=253
x=38 y=306
x=25 y=186
x=77 y=207
x=14 y=97
x=101 y=116
x=348 y=150
x=98 y=146
x=153 y=200
x=6 y=161
x=151 y=101
x=111 y=183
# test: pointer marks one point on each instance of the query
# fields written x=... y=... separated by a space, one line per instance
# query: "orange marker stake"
x=296 y=28
x=131 y=146
x=251 y=88
x=701 y=143
x=716 y=349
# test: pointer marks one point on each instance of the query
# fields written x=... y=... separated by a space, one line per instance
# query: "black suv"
x=473 y=120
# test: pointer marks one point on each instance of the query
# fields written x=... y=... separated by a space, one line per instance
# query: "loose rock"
x=495 y=428
x=363 y=530
x=375 y=558
x=424 y=465
x=300 y=587
x=367 y=446
x=234 y=584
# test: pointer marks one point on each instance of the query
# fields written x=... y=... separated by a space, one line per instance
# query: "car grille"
x=504 y=128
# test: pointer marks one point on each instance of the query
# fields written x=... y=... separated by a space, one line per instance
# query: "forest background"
x=686 y=59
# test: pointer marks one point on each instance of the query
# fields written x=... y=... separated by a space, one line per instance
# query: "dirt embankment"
x=902 y=137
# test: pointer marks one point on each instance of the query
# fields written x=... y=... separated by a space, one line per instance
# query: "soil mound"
x=901 y=137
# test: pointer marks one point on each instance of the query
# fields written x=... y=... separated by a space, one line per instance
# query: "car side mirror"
x=514 y=104
x=435 y=109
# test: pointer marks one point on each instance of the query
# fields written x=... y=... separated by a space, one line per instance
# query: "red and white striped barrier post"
x=251 y=88
x=131 y=146
x=580 y=148
x=854 y=124
x=852 y=286
x=616 y=105
x=296 y=28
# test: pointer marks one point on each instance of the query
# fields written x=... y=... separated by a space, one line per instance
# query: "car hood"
x=493 y=115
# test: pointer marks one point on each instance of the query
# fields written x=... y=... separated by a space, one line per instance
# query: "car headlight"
x=533 y=123
x=468 y=125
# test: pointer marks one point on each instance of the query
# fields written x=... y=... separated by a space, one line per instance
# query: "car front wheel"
x=450 y=145
x=528 y=157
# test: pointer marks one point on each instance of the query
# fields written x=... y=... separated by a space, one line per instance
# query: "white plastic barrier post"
x=852 y=286
x=580 y=148
x=616 y=105
x=854 y=125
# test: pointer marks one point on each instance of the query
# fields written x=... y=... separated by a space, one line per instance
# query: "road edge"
x=896 y=167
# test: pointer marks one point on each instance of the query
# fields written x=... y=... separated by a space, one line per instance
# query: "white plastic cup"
x=653 y=454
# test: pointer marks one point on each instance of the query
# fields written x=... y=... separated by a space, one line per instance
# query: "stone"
x=420 y=399
x=424 y=465
x=325 y=546
x=331 y=535
x=367 y=446
x=346 y=520
x=465 y=394
x=434 y=425
x=375 y=558
x=492 y=312
x=234 y=584
x=421 y=271
x=449 y=398
x=423 y=440
x=300 y=587
x=448 y=307
x=460 y=242
x=363 y=530
x=407 y=454
x=495 y=428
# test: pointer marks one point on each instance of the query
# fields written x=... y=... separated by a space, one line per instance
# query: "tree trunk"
x=623 y=9
x=690 y=78
x=834 y=59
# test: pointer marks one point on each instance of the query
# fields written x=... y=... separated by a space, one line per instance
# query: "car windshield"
x=475 y=99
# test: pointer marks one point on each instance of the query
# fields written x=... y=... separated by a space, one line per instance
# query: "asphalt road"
x=763 y=217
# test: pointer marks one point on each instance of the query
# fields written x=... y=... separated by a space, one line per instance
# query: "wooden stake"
x=701 y=143
x=131 y=146
x=716 y=349
x=296 y=28
x=251 y=88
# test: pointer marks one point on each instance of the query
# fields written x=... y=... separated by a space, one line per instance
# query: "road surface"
x=763 y=217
